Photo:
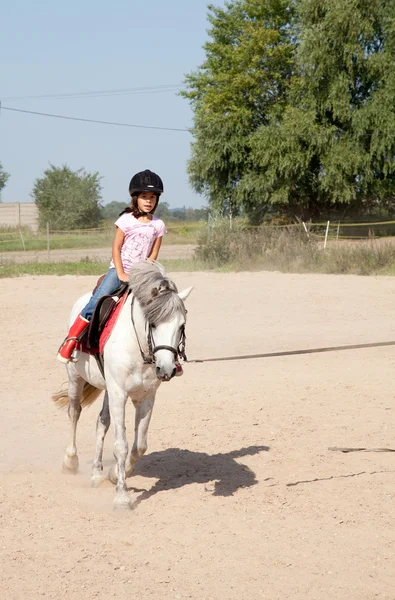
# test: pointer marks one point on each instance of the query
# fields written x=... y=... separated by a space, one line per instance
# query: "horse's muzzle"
x=163 y=376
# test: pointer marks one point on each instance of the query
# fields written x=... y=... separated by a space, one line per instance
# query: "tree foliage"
x=295 y=107
x=243 y=80
x=162 y=210
x=3 y=178
x=112 y=209
x=68 y=199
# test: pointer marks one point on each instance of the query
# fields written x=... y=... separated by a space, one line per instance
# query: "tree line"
x=294 y=108
x=163 y=211
x=72 y=200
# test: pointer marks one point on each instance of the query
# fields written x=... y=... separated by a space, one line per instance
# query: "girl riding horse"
x=138 y=237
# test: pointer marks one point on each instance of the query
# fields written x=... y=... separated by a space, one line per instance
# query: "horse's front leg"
x=102 y=425
x=117 y=403
x=76 y=385
x=143 y=417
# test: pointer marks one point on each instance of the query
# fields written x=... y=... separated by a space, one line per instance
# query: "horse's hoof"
x=122 y=502
x=97 y=475
x=96 y=480
x=113 y=474
x=70 y=464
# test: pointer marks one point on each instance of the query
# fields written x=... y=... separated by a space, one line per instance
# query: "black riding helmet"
x=146 y=181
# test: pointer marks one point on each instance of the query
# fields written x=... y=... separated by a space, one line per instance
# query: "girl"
x=138 y=236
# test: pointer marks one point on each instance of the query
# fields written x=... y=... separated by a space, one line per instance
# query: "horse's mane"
x=156 y=293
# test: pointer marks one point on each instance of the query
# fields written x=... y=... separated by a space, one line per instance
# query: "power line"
x=99 y=93
x=189 y=130
x=114 y=123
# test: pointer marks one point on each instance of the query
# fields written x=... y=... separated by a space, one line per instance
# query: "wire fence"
x=23 y=238
x=327 y=231
x=339 y=230
x=26 y=239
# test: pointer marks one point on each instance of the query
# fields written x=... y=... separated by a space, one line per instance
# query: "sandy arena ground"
x=238 y=497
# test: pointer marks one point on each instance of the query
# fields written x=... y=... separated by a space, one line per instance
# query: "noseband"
x=150 y=358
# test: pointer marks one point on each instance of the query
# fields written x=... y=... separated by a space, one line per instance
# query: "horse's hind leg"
x=76 y=385
x=102 y=425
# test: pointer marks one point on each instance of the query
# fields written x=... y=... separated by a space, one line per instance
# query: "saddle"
x=101 y=314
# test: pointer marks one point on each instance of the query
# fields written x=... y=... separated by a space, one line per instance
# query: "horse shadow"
x=175 y=468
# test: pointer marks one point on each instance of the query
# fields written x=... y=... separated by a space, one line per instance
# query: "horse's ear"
x=185 y=293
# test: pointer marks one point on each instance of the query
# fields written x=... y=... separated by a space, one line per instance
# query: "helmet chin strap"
x=141 y=213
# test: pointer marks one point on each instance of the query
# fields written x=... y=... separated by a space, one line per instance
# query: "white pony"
x=139 y=354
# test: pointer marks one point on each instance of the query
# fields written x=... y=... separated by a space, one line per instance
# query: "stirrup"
x=67 y=339
x=75 y=355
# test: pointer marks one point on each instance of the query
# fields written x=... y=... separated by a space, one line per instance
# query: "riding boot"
x=74 y=335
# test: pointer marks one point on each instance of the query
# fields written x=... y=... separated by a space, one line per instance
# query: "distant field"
x=11 y=239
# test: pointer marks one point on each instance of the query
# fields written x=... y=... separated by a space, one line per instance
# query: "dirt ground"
x=171 y=251
x=238 y=496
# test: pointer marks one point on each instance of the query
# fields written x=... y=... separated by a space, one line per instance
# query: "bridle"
x=150 y=358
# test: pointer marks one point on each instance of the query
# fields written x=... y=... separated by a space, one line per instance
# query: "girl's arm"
x=153 y=255
x=116 y=254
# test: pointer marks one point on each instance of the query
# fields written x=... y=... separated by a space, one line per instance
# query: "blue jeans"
x=107 y=287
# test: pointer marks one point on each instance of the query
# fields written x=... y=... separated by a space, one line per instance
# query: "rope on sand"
x=345 y=450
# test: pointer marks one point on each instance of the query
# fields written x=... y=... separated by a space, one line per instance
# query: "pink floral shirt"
x=139 y=238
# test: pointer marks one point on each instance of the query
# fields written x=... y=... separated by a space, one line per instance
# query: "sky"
x=54 y=48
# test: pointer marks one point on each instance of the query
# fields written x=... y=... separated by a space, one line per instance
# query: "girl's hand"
x=123 y=277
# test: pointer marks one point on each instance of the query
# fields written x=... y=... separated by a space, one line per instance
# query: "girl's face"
x=146 y=202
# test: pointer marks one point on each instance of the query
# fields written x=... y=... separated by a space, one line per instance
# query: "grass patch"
x=87 y=268
x=11 y=238
x=389 y=270
x=60 y=268
x=239 y=249
x=57 y=242
x=290 y=251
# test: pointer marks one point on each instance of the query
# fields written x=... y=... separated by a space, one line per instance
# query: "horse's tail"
x=89 y=394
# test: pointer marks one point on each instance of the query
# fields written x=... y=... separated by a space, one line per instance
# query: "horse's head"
x=168 y=337
x=164 y=310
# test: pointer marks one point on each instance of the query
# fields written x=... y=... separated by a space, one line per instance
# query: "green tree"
x=68 y=199
x=200 y=214
x=334 y=146
x=162 y=210
x=3 y=178
x=242 y=84
x=112 y=209
x=295 y=107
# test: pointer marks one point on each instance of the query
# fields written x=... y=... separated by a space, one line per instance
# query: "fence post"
x=305 y=228
x=48 y=245
x=338 y=229
x=326 y=234
x=18 y=214
x=23 y=241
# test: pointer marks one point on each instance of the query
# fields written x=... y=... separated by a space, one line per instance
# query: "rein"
x=149 y=358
